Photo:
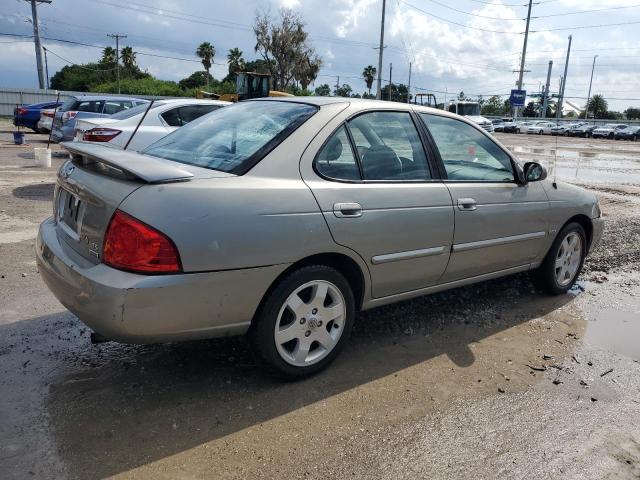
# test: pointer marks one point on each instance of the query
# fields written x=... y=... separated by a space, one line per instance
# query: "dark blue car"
x=29 y=115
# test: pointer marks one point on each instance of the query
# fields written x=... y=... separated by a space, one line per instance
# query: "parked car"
x=282 y=218
x=509 y=126
x=164 y=117
x=581 y=131
x=522 y=126
x=563 y=128
x=630 y=133
x=46 y=120
x=78 y=107
x=608 y=131
x=541 y=128
x=498 y=125
x=29 y=115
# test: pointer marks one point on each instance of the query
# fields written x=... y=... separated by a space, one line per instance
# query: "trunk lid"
x=96 y=180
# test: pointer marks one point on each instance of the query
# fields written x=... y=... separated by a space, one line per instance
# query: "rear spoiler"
x=131 y=164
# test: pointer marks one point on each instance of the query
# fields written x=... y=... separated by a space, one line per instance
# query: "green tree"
x=206 y=52
x=236 y=63
x=344 y=91
x=196 y=80
x=128 y=57
x=598 y=106
x=632 y=113
x=108 y=56
x=285 y=47
x=323 y=90
x=369 y=75
x=494 y=106
x=530 y=110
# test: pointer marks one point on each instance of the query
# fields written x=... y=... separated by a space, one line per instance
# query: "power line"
x=578 y=27
x=424 y=12
x=79 y=65
x=584 y=11
x=444 y=5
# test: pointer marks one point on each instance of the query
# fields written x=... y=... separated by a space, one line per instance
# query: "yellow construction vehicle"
x=248 y=85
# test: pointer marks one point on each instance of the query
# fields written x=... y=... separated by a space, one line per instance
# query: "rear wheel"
x=304 y=322
x=563 y=262
x=540 y=132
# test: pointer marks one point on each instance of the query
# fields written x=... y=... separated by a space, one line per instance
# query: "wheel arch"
x=343 y=263
x=585 y=222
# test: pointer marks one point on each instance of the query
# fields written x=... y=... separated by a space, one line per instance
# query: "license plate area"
x=70 y=212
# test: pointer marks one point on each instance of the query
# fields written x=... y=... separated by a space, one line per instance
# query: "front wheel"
x=304 y=322
x=563 y=262
x=540 y=132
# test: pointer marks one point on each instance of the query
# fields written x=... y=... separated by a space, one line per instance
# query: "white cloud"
x=351 y=12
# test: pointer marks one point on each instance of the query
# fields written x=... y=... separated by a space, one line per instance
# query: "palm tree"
x=236 y=62
x=598 y=106
x=369 y=75
x=108 y=55
x=128 y=57
x=206 y=52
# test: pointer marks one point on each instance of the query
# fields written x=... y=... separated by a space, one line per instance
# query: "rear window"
x=133 y=111
x=233 y=139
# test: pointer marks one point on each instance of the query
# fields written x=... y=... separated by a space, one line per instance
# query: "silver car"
x=282 y=218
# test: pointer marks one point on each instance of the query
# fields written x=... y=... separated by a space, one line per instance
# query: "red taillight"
x=134 y=246
x=100 y=134
x=21 y=111
x=47 y=114
x=66 y=116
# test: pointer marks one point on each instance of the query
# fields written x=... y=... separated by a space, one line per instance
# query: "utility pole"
x=390 y=84
x=524 y=53
x=564 y=82
x=46 y=66
x=546 y=91
x=409 y=86
x=36 y=38
x=586 y=109
x=337 y=84
x=379 y=83
x=117 y=36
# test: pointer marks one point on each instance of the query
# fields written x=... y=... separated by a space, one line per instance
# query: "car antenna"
x=139 y=123
x=555 y=164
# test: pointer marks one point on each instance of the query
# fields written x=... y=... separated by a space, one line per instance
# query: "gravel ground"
x=492 y=380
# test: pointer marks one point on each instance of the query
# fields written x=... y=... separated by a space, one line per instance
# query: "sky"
x=453 y=45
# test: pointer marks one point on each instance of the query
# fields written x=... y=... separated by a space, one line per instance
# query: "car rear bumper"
x=134 y=308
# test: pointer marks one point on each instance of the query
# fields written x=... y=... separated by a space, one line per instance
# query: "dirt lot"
x=489 y=381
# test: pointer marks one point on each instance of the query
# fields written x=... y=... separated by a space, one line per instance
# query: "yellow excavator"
x=248 y=85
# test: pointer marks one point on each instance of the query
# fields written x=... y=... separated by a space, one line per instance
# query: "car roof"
x=364 y=103
x=91 y=98
x=202 y=101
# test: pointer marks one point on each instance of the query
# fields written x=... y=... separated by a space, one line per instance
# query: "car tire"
x=301 y=331
x=540 y=132
x=563 y=263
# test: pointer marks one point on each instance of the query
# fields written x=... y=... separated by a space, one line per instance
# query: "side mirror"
x=534 y=172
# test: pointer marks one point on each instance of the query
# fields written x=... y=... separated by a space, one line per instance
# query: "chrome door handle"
x=467 y=204
x=347 y=210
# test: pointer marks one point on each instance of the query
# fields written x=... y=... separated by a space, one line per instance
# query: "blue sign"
x=517 y=98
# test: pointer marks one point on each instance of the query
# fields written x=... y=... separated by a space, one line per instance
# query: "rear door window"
x=179 y=116
x=389 y=146
x=93 y=106
x=336 y=160
x=111 y=106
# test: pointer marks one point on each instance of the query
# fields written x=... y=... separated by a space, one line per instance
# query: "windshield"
x=235 y=138
x=471 y=109
x=67 y=105
x=130 y=112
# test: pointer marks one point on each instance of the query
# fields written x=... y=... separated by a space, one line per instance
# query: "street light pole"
x=545 y=103
x=379 y=82
x=586 y=109
x=564 y=82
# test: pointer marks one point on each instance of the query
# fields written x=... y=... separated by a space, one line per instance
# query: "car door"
x=379 y=192
x=500 y=223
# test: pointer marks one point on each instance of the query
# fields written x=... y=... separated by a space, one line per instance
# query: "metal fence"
x=10 y=97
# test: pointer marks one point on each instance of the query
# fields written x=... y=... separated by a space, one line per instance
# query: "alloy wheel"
x=568 y=259
x=310 y=323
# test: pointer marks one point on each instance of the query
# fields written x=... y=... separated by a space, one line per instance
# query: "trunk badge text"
x=67 y=170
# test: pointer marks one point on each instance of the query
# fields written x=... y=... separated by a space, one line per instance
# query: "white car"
x=164 y=117
x=46 y=119
x=608 y=131
x=541 y=127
